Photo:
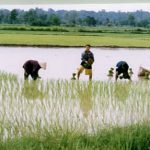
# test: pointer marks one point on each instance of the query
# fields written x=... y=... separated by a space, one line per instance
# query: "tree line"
x=40 y=17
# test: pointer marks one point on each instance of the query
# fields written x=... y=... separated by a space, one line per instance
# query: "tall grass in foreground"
x=73 y=115
x=128 y=138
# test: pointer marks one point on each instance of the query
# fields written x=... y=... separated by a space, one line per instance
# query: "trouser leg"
x=26 y=75
x=80 y=71
x=34 y=76
x=118 y=72
x=90 y=77
x=126 y=75
x=78 y=74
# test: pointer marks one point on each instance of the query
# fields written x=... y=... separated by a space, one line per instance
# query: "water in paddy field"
x=62 y=62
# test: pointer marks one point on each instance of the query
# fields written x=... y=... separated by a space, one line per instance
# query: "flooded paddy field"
x=62 y=62
x=85 y=107
x=59 y=110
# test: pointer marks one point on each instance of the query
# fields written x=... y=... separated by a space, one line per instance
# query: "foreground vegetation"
x=77 y=36
x=135 y=137
x=61 y=114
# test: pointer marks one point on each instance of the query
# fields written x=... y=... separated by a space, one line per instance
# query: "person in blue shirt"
x=122 y=68
x=87 y=59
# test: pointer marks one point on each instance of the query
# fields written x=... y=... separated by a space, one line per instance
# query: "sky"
x=124 y=7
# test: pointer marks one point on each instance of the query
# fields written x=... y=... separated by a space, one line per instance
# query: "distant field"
x=117 y=40
x=75 y=36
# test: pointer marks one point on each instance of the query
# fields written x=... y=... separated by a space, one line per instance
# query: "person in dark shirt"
x=87 y=59
x=122 y=68
x=31 y=67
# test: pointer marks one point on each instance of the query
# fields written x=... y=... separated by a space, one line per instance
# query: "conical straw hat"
x=43 y=65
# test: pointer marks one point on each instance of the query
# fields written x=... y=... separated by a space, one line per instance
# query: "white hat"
x=43 y=65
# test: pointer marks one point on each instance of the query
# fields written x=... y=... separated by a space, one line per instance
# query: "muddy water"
x=62 y=62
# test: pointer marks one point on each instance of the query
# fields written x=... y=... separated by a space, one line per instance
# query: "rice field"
x=73 y=39
x=57 y=108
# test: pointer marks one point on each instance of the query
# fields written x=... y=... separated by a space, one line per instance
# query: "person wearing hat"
x=31 y=67
x=122 y=68
x=143 y=71
x=86 y=64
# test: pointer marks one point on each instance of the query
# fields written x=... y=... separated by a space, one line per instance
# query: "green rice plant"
x=60 y=109
x=119 y=138
x=55 y=36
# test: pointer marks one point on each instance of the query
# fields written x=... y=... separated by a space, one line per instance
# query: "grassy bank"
x=63 y=36
x=62 y=114
x=76 y=29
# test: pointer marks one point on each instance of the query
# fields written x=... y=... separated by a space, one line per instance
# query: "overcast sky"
x=94 y=7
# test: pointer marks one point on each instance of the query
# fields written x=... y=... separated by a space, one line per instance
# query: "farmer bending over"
x=143 y=71
x=86 y=64
x=31 y=67
x=122 y=68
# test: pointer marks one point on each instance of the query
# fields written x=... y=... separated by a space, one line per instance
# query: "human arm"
x=84 y=57
x=92 y=57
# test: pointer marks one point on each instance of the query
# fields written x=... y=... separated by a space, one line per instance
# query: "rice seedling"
x=61 y=107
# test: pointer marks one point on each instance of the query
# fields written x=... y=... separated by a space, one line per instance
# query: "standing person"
x=86 y=64
x=31 y=67
x=122 y=68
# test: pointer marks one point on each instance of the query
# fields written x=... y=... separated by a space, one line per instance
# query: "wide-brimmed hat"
x=43 y=65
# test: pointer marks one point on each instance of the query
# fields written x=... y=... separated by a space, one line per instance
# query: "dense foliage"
x=40 y=17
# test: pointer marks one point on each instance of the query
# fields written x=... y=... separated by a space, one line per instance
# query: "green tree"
x=144 y=23
x=54 y=20
x=90 y=21
x=13 y=16
x=108 y=22
x=131 y=20
x=31 y=17
x=71 y=18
